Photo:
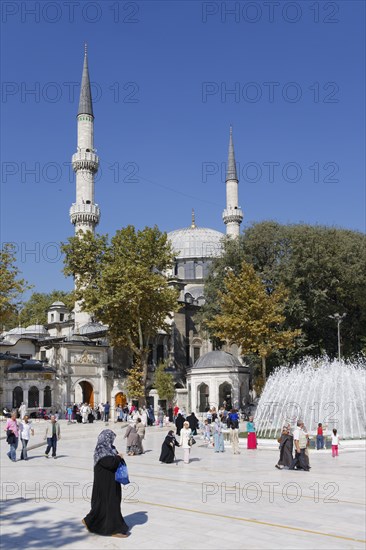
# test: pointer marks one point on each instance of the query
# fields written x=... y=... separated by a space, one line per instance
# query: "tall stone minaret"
x=233 y=214
x=84 y=213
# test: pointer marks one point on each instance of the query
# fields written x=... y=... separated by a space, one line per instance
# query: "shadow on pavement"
x=137 y=518
x=29 y=531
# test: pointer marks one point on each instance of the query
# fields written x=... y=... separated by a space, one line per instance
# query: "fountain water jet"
x=315 y=390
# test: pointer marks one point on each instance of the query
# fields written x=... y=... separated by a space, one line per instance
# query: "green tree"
x=11 y=286
x=164 y=382
x=34 y=311
x=134 y=383
x=122 y=283
x=252 y=317
x=324 y=269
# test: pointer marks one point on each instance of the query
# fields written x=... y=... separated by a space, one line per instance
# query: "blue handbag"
x=121 y=475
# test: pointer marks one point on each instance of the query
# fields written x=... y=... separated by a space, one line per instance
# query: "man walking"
x=53 y=434
x=300 y=441
x=107 y=408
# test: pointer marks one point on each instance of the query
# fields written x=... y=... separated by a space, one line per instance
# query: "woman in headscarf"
x=185 y=435
x=105 y=516
x=140 y=429
x=252 y=438
x=218 y=436
x=286 y=442
x=168 y=448
x=193 y=423
x=134 y=445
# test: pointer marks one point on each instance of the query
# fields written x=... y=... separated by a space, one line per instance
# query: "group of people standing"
x=85 y=413
x=294 y=454
x=23 y=430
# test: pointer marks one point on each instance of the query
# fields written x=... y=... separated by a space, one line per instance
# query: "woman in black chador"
x=286 y=442
x=179 y=421
x=105 y=516
x=168 y=448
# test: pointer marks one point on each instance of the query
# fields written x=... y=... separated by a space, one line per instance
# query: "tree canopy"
x=164 y=382
x=324 y=270
x=251 y=316
x=34 y=311
x=11 y=286
x=122 y=283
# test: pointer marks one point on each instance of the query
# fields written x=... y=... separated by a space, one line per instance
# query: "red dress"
x=252 y=438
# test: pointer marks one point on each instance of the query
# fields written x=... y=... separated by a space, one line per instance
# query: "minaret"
x=84 y=213
x=233 y=214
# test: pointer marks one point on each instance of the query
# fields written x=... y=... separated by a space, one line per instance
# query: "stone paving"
x=217 y=501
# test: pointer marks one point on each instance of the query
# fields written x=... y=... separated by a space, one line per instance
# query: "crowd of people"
x=105 y=516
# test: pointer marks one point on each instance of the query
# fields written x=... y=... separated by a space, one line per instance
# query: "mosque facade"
x=69 y=359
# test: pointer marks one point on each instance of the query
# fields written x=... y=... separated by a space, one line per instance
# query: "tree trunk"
x=264 y=369
x=145 y=366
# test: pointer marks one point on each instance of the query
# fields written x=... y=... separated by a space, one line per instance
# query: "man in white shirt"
x=300 y=441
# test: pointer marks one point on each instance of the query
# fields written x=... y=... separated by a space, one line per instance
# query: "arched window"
x=203 y=397
x=47 y=402
x=17 y=397
x=199 y=271
x=33 y=397
x=225 y=395
x=188 y=298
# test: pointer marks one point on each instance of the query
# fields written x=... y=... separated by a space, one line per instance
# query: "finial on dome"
x=193 y=224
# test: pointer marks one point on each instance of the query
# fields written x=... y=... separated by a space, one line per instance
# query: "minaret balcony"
x=85 y=160
x=232 y=214
x=84 y=213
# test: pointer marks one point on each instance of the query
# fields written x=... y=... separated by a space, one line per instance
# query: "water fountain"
x=316 y=390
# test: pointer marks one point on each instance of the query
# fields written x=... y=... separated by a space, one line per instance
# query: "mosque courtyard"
x=217 y=501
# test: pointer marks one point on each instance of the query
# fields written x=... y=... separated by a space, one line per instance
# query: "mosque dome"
x=37 y=329
x=218 y=359
x=196 y=242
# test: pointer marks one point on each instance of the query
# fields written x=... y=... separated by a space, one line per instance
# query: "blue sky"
x=162 y=74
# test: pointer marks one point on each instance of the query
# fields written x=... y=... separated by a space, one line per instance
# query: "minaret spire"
x=231 y=165
x=233 y=214
x=85 y=101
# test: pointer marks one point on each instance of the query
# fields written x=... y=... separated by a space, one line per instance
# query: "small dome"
x=57 y=304
x=92 y=328
x=196 y=242
x=17 y=330
x=37 y=329
x=76 y=338
x=217 y=358
x=31 y=365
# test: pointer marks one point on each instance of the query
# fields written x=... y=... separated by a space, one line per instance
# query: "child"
x=335 y=443
x=206 y=432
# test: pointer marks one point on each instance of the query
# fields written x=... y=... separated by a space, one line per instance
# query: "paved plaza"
x=217 y=501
